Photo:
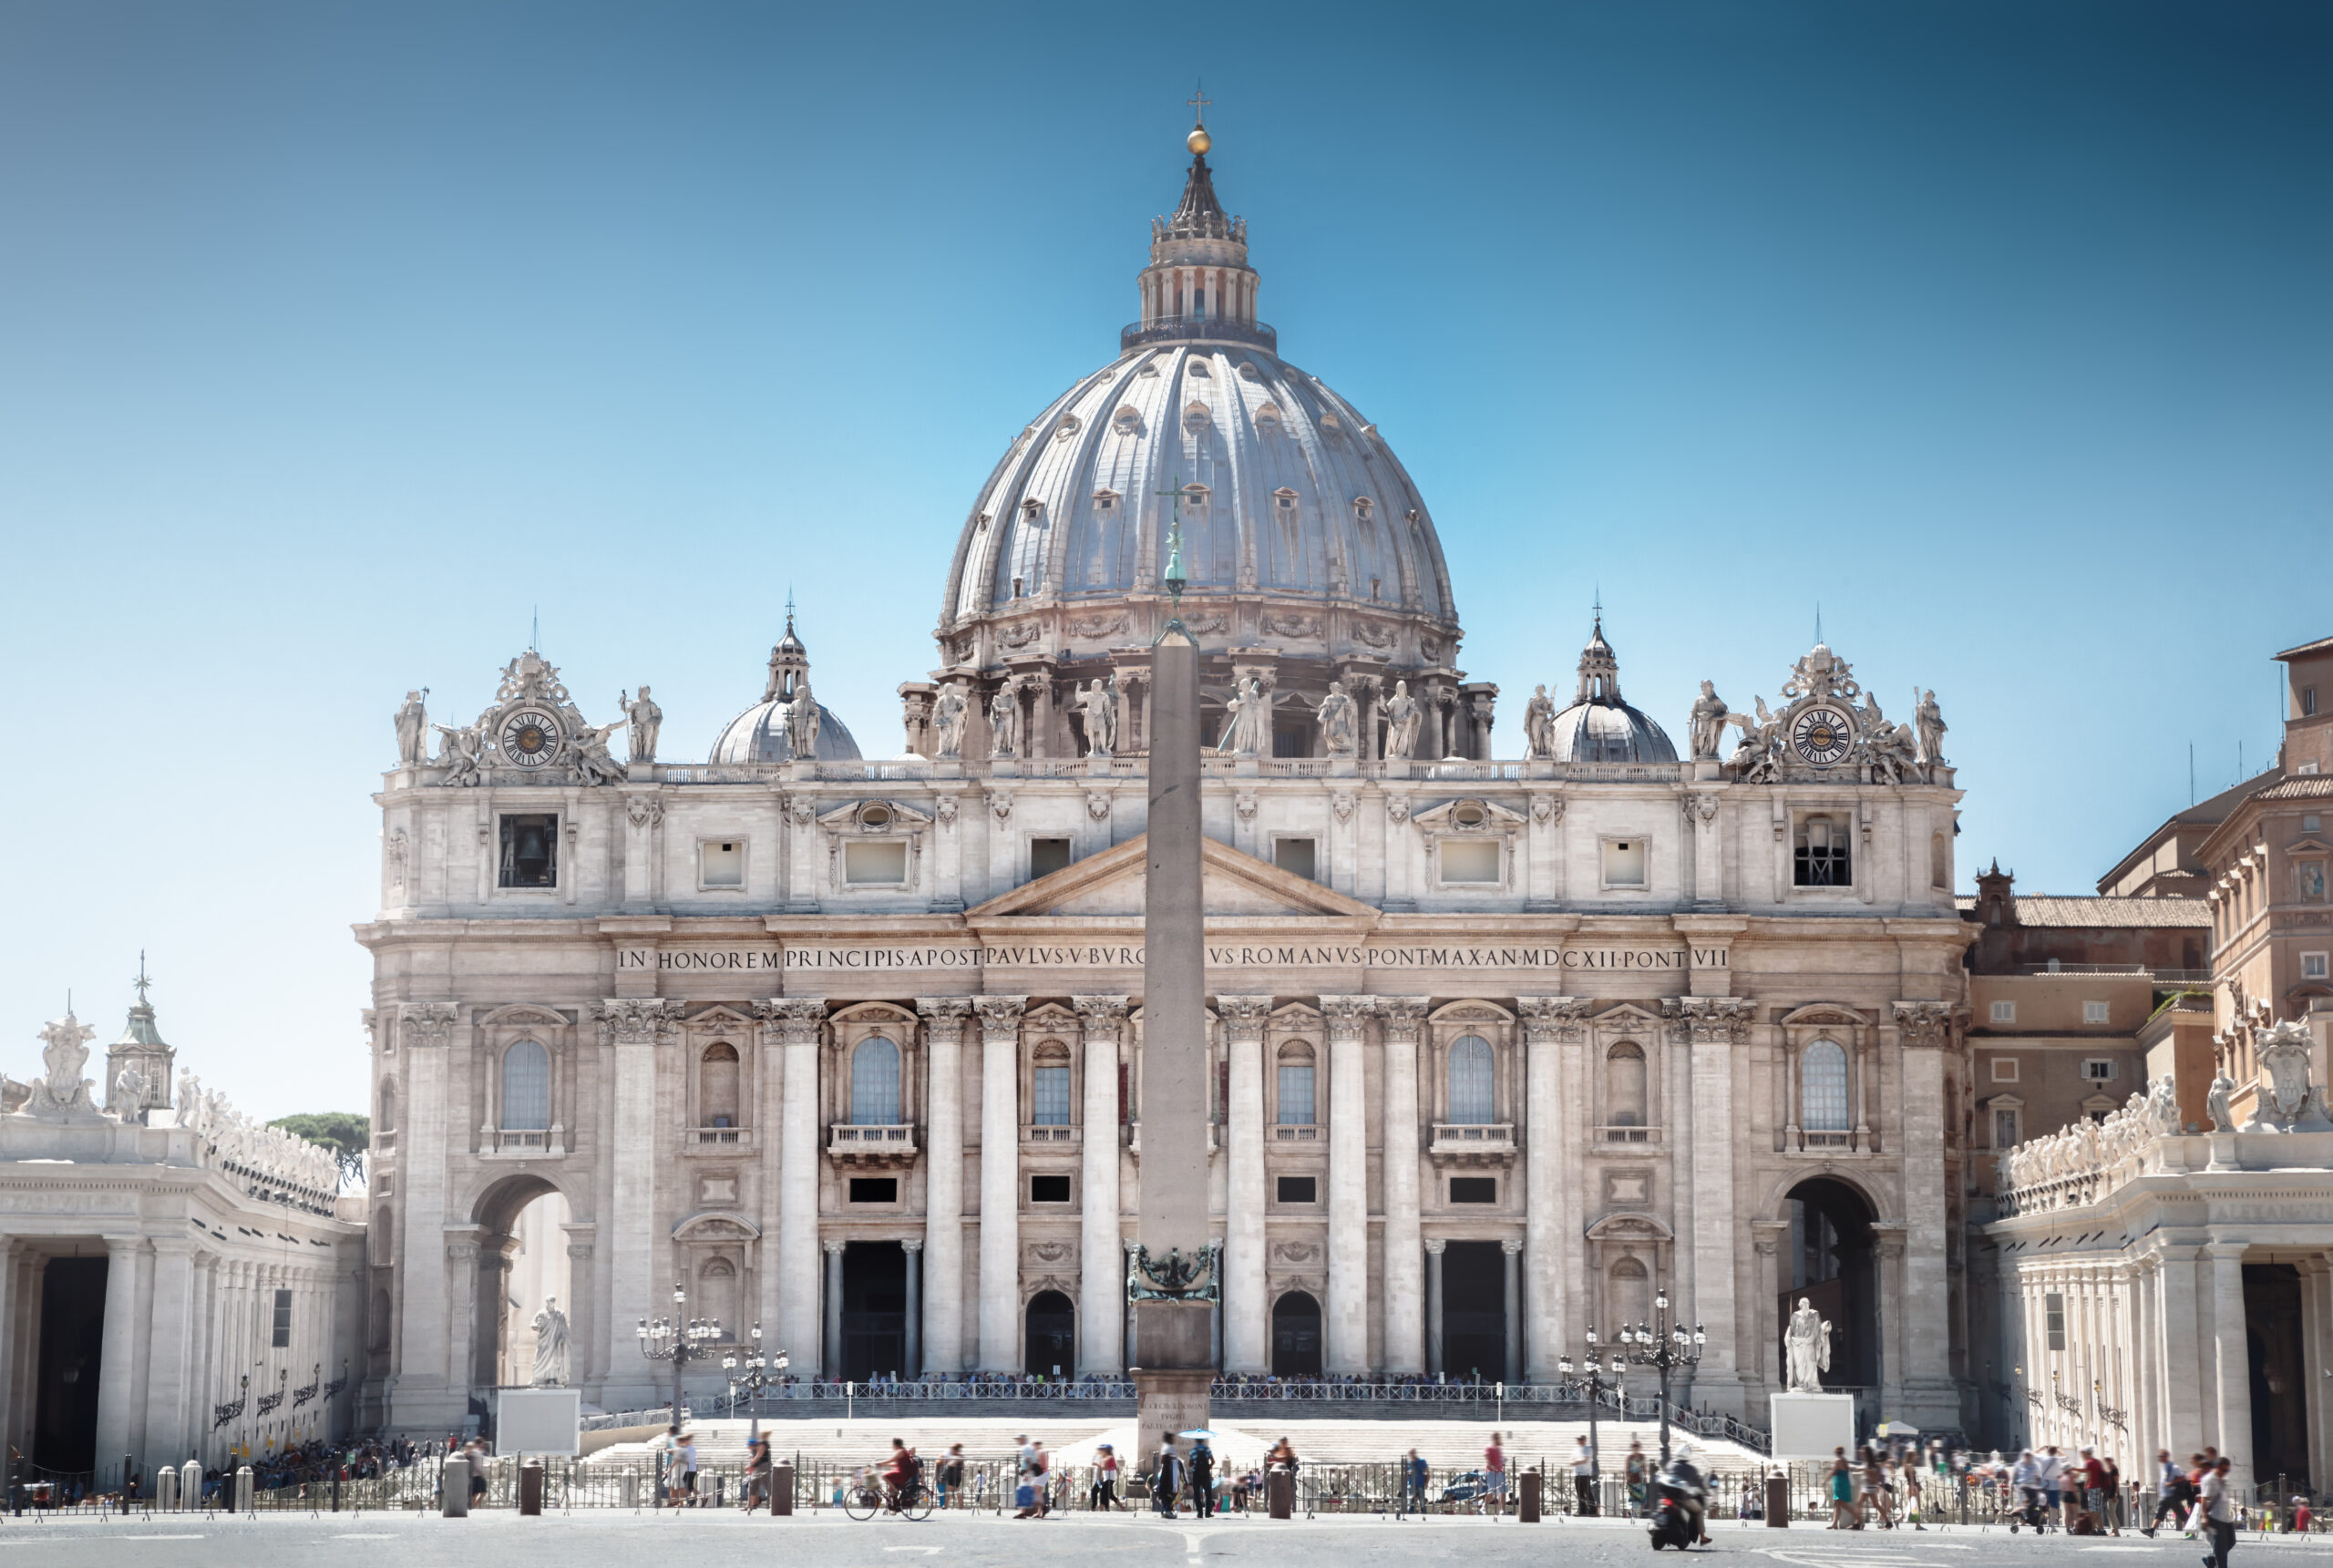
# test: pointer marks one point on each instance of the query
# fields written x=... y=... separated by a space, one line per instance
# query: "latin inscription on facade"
x=964 y=957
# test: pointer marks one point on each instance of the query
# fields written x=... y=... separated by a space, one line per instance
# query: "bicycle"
x=912 y=1500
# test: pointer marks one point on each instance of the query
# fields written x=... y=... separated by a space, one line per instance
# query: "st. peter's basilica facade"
x=852 y=1047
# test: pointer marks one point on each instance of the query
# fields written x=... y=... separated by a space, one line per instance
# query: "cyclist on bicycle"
x=899 y=1475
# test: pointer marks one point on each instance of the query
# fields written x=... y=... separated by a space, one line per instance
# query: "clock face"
x=530 y=737
x=1822 y=735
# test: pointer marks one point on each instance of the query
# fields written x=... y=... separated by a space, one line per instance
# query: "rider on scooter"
x=1685 y=1482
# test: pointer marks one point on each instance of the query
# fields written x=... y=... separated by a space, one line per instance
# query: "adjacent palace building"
x=852 y=1049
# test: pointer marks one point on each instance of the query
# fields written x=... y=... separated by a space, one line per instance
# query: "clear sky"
x=336 y=340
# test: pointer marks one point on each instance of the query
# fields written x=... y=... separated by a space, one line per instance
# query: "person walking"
x=1106 y=1479
x=1413 y=1472
x=1041 y=1477
x=1877 y=1493
x=1639 y=1476
x=757 y=1475
x=2053 y=1483
x=2172 y=1493
x=684 y=1466
x=2219 y=1515
x=950 y=1473
x=1583 y=1479
x=1495 y=1474
x=1842 y=1493
x=1166 y=1478
x=1202 y=1463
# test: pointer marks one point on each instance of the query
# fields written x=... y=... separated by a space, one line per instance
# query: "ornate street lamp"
x=679 y=1340
x=1591 y=1381
x=1663 y=1348
x=751 y=1373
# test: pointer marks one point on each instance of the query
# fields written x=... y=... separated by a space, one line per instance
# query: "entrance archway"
x=1834 y=1263
x=72 y=1347
x=2272 y=1324
x=522 y=1263
x=1051 y=1347
x=1296 y=1336
x=1474 y=1311
x=874 y=1309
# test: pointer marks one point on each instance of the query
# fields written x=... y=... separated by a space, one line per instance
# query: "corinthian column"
x=1404 y=1257
x=1246 y=1326
x=1548 y=1023
x=943 y=1183
x=1347 y=1328
x=790 y=1033
x=1100 y=1279
x=1000 y=1349
x=631 y=1027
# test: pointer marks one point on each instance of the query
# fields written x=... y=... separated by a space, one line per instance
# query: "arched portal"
x=1051 y=1348
x=1474 y=1311
x=1296 y=1336
x=874 y=1309
x=521 y=1264
x=1834 y=1263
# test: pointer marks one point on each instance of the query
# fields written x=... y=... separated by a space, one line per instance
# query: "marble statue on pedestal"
x=1339 y=724
x=593 y=764
x=646 y=719
x=947 y=721
x=1005 y=720
x=1928 y=720
x=1538 y=725
x=1099 y=703
x=62 y=1092
x=550 y=1346
x=1248 y=726
x=463 y=753
x=1708 y=724
x=1807 y=1342
x=1402 y=716
x=413 y=731
x=803 y=719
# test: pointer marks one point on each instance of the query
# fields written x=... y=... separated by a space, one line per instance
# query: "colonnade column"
x=2233 y=1357
x=943 y=1183
x=1346 y=1331
x=424 y=1030
x=1404 y=1285
x=830 y=1357
x=1512 y=1252
x=1433 y=1305
x=1247 y=1315
x=2176 y=1297
x=913 y=1356
x=461 y=1243
x=792 y=1030
x=118 y=1390
x=999 y=1314
x=1547 y=1021
x=1100 y=1285
x=169 y=1393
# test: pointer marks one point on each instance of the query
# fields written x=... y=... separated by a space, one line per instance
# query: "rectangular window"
x=2005 y=1129
x=1047 y=855
x=2097 y=1070
x=2004 y=1013
x=1049 y=1189
x=282 y=1338
x=1299 y=1190
x=1298 y=856
x=2307 y=702
x=2053 y=1307
x=1049 y=1097
x=1473 y=1189
x=2312 y=966
x=2094 y=1012
x=874 y=1189
x=1296 y=1094
x=2004 y=1070
x=1819 y=855
x=1470 y=860
x=1624 y=861
x=721 y=863
x=875 y=865
x=530 y=851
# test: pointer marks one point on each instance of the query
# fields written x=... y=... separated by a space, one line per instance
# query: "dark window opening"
x=282 y=1338
x=1297 y=857
x=1299 y=1190
x=530 y=851
x=1047 y=855
x=874 y=1189
x=1049 y=1189
x=1820 y=858
x=1296 y=1336
x=1473 y=1189
x=1292 y=740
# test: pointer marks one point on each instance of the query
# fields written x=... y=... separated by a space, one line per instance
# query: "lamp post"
x=678 y=1340
x=1663 y=1348
x=1591 y=1368
x=759 y=1372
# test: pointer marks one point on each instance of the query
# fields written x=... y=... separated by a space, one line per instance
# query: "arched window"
x=875 y=1083
x=1049 y=1086
x=1631 y=1294
x=1296 y=1085
x=1624 y=1104
x=1822 y=1093
x=1472 y=1100
x=717 y=1086
x=526 y=1088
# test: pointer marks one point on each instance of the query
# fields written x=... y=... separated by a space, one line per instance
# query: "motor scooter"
x=1674 y=1523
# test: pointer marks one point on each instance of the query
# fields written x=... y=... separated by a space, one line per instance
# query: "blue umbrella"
x=1197 y=1432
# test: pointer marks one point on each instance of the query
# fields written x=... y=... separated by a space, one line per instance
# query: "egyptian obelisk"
x=1172 y=1309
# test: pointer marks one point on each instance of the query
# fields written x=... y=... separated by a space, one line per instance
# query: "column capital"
x=2220 y=1251
x=1434 y=1243
x=1924 y=1024
x=833 y=1245
x=1001 y=1015
x=911 y=1243
x=1347 y=1016
x=1510 y=1246
x=1243 y=1018
x=425 y=1023
x=638 y=1020
x=1549 y=1019
x=1710 y=1021
x=791 y=1020
x=945 y=1016
x=1102 y=1015
x=1401 y=1016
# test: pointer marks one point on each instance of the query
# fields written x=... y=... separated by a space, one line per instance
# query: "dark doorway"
x=1051 y=1347
x=1833 y=1265
x=1474 y=1311
x=72 y=1343
x=874 y=1309
x=2279 y=1401
x=1296 y=1336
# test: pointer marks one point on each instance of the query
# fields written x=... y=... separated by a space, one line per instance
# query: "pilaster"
x=1099 y=1283
x=943 y=1183
x=1404 y=1259
x=1346 y=1329
x=1246 y=1314
x=1000 y=1311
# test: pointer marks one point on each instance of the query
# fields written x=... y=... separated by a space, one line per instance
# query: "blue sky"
x=339 y=339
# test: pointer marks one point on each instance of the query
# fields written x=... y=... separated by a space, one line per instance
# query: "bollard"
x=530 y=1489
x=1527 y=1511
x=166 y=1490
x=243 y=1490
x=1778 y=1501
x=781 y=1492
x=1279 y=1490
x=628 y=1488
x=190 y=1487
x=454 y=1488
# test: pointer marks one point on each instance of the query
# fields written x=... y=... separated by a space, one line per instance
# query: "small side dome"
x=768 y=731
x=1598 y=727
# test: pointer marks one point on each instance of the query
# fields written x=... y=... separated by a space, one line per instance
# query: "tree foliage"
x=344 y=1133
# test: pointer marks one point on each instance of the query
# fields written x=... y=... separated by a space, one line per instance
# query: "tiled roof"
x=2322 y=645
x=2061 y=910
x=2301 y=786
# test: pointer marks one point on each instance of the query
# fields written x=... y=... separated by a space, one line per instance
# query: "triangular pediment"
x=1111 y=884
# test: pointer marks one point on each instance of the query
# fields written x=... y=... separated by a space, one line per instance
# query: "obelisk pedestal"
x=1172 y=1335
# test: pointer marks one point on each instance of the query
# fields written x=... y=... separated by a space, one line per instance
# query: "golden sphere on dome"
x=1199 y=140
